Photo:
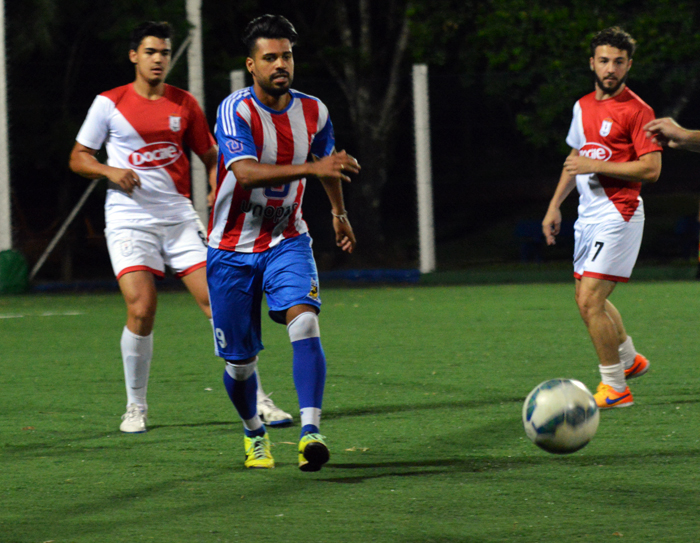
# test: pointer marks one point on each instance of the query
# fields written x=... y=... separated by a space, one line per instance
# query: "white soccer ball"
x=560 y=416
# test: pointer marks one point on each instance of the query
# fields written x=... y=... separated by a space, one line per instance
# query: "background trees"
x=504 y=77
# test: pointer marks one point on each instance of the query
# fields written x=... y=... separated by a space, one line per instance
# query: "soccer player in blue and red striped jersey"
x=271 y=138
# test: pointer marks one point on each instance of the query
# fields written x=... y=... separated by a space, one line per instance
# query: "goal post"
x=5 y=206
x=195 y=74
x=424 y=180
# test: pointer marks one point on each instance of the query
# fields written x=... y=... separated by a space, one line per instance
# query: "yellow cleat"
x=606 y=397
x=313 y=452
x=257 y=452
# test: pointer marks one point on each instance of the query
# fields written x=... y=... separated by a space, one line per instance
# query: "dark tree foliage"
x=504 y=75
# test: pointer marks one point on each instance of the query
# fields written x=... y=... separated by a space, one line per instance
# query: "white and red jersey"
x=252 y=221
x=148 y=137
x=610 y=129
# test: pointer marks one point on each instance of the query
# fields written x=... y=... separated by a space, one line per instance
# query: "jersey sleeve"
x=642 y=144
x=233 y=132
x=575 y=138
x=324 y=141
x=198 y=137
x=95 y=128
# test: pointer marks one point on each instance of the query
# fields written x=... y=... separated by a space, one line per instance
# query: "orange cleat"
x=638 y=368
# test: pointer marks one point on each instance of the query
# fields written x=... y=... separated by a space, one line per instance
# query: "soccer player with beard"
x=611 y=158
x=150 y=219
x=258 y=241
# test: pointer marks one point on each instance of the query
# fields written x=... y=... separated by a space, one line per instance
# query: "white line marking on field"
x=44 y=314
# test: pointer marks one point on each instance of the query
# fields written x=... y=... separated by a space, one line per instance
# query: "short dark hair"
x=161 y=30
x=614 y=37
x=271 y=27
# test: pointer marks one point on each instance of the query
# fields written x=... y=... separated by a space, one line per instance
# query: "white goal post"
x=5 y=207
x=195 y=74
x=424 y=179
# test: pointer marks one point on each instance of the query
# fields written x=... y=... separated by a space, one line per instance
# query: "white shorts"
x=135 y=246
x=607 y=250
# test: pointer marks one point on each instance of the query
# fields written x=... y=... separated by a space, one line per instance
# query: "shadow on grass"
x=484 y=464
x=378 y=409
x=48 y=446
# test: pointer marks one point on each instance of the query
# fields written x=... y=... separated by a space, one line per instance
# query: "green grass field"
x=422 y=413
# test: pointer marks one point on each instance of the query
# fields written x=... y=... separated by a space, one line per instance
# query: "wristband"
x=343 y=217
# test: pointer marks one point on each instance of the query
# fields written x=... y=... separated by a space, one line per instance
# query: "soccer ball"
x=560 y=416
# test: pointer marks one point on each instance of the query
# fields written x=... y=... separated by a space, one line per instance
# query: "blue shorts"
x=286 y=274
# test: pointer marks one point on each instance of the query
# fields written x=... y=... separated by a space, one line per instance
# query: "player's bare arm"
x=84 y=163
x=209 y=160
x=668 y=133
x=646 y=169
x=551 y=224
x=251 y=174
x=344 y=235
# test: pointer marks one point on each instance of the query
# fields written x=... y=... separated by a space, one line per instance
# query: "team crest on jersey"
x=313 y=293
x=127 y=247
x=606 y=127
x=174 y=123
x=234 y=146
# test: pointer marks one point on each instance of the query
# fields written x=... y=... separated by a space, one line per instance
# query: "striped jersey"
x=610 y=129
x=148 y=137
x=252 y=221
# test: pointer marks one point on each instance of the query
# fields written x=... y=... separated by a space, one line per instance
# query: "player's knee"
x=304 y=326
x=241 y=370
x=589 y=305
x=141 y=315
x=141 y=311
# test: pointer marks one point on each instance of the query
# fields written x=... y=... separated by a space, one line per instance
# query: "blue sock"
x=309 y=429
x=309 y=369
x=255 y=433
x=244 y=395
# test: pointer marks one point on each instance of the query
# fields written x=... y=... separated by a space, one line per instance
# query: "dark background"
x=503 y=79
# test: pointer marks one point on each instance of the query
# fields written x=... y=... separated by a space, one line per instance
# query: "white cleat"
x=270 y=414
x=134 y=420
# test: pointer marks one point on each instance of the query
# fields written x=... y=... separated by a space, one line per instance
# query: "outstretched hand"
x=665 y=132
x=336 y=166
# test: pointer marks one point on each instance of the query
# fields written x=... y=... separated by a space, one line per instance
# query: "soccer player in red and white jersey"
x=259 y=242
x=610 y=160
x=150 y=220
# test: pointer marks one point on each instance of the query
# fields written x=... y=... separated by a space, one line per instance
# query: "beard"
x=610 y=90
x=276 y=90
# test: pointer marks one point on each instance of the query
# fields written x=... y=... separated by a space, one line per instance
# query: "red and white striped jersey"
x=611 y=130
x=252 y=221
x=149 y=137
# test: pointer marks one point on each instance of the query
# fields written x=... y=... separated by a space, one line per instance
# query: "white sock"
x=627 y=352
x=261 y=392
x=137 y=352
x=253 y=424
x=614 y=376
x=311 y=415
